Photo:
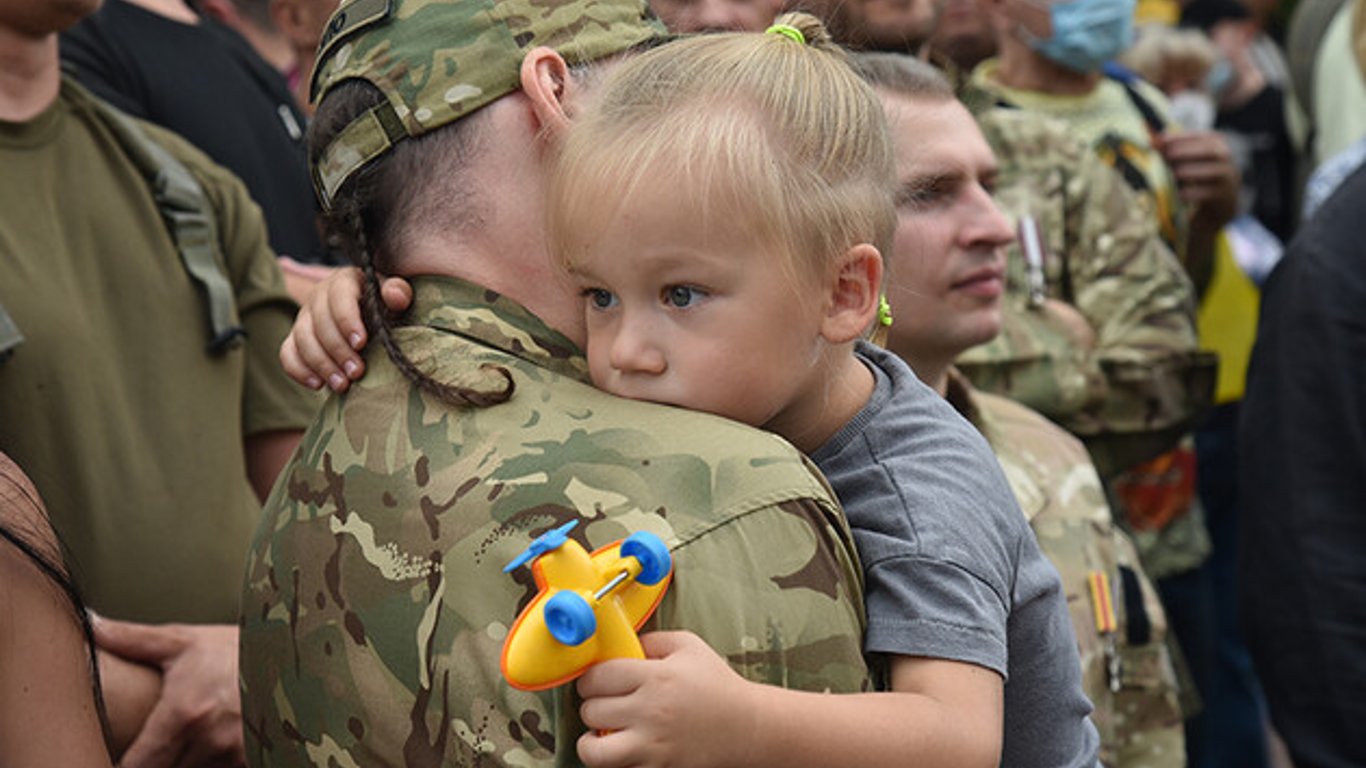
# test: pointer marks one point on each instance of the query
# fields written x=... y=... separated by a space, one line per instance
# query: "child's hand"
x=681 y=706
x=329 y=330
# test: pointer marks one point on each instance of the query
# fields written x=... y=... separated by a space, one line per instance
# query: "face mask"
x=1192 y=110
x=1086 y=33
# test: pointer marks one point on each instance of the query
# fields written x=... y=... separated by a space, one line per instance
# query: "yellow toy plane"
x=588 y=607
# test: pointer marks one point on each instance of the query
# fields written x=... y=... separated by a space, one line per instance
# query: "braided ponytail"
x=367 y=208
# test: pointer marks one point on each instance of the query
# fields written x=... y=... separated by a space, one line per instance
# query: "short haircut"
x=903 y=74
x=762 y=129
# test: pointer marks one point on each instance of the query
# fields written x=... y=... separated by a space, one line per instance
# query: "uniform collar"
x=491 y=319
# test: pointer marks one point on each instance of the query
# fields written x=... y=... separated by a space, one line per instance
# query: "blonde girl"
x=722 y=206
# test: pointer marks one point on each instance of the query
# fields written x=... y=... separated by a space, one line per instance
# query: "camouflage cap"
x=438 y=60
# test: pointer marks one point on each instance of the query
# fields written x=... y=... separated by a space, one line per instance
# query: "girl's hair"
x=904 y=75
x=412 y=189
x=1161 y=53
x=24 y=527
x=761 y=129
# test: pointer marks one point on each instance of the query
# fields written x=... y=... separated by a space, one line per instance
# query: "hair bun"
x=813 y=32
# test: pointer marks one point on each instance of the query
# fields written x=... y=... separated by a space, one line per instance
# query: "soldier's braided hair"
x=374 y=209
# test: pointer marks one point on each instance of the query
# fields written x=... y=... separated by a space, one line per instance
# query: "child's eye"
x=600 y=298
x=682 y=296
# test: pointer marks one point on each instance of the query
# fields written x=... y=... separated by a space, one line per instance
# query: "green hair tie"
x=884 y=311
x=788 y=31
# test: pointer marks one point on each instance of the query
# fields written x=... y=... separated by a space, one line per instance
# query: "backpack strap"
x=1130 y=80
x=189 y=218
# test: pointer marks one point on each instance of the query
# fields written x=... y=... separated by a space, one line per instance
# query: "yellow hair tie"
x=788 y=31
x=884 y=311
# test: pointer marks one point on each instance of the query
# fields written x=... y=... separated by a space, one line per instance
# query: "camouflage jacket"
x=1128 y=673
x=1143 y=384
x=375 y=604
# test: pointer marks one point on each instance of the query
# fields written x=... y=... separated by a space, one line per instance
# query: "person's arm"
x=131 y=691
x=197 y=719
x=684 y=706
x=1209 y=183
x=1137 y=296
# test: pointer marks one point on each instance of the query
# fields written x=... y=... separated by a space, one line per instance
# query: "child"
x=722 y=205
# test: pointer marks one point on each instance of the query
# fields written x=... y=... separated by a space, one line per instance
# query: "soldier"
x=946 y=286
x=375 y=605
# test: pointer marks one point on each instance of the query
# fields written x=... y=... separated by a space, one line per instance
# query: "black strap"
x=1140 y=626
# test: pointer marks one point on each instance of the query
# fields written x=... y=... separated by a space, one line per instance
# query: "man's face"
x=946 y=273
x=40 y=18
x=897 y=25
x=693 y=312
x=964 y=33
x=716 y=15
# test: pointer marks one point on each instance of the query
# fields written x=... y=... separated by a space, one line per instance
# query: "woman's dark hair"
x=410 y=189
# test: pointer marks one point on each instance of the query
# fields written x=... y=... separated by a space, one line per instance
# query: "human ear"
x=546 y=82
x=855 y=285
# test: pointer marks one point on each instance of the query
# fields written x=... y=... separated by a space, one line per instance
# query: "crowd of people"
x=991 y=368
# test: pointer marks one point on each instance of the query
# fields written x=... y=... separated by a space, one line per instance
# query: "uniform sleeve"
x=1143 y=383
x=797 y=560
x=271 y=401
x=1141 y=304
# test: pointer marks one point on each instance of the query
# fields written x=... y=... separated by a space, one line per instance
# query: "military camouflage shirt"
x=375 y=604
x=1139 y=388
x=1127 y=672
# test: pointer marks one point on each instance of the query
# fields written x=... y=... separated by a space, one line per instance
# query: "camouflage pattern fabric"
x=375 y=605
x=438 y=60
x=1137 y=710
x=1144 y=383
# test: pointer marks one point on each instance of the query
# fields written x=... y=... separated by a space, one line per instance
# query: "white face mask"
x=1193 y=110
x=1086 y=33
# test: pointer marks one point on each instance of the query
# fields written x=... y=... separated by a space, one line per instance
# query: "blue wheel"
x=653 y=554
x=570 y=618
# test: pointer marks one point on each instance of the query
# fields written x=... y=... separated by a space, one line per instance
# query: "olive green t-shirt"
x=131 y=430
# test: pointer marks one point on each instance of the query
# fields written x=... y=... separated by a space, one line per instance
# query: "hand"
x=1067 y=319
x=681 y=706
x=1206 y=175
x=197 y=721
x=329 y=331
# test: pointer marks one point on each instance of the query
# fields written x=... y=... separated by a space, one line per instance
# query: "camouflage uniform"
x=1144 y=383
x=375 y=606
x=1128 y=673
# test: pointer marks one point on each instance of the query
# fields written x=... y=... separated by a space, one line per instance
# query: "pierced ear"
x=855 y=287
x=546 y=82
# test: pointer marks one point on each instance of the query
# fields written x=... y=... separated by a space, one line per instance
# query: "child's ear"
x=854 y=289
x=546 y=82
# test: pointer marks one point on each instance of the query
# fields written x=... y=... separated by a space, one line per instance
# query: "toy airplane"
x=588 y=607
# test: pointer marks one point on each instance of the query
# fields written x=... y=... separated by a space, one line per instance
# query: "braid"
x=378 y=322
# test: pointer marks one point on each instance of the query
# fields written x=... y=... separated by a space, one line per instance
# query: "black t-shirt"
x=207 y=84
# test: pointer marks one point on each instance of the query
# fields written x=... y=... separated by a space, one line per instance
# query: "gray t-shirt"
x=952 y=569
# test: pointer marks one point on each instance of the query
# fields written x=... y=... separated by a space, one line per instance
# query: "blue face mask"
x=1087 y=33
